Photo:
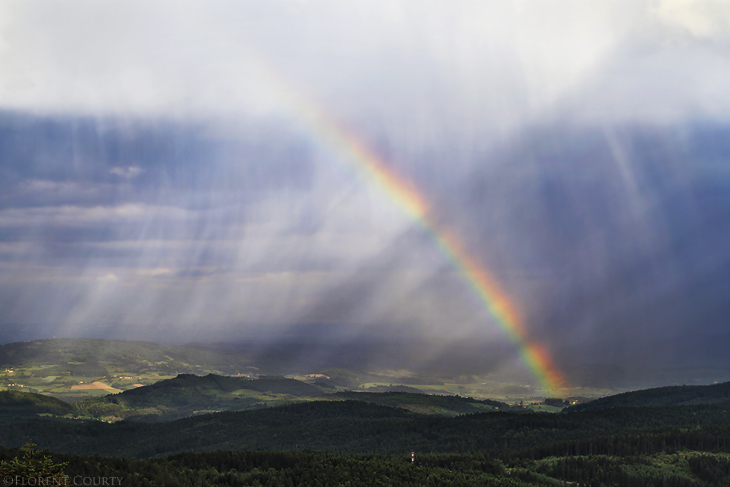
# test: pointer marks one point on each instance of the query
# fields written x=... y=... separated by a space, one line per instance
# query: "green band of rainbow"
x=371 y=168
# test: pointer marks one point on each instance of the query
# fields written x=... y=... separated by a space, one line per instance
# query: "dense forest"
x=683 y=468
x=359 y=427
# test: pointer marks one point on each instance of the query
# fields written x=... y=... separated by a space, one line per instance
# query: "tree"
x=31 y=463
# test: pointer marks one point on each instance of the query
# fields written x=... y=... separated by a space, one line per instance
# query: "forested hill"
x=16 y=405
x=427 y=403
x=358 y=427
x=660 y=396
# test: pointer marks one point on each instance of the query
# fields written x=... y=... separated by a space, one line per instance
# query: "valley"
x=80 y=369
x=156 y=414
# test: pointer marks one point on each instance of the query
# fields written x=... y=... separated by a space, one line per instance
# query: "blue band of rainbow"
x=370 y=167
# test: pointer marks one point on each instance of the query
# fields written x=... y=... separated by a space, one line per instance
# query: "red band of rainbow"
x=372 y=168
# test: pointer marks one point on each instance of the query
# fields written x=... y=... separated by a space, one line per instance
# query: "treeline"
x=310 y=468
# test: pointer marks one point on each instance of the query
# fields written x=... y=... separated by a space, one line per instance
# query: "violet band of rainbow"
x=351 y=151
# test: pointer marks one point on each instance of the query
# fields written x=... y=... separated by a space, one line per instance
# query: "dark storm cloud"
x=68 y=180
x=635 y=250
x=92 y=161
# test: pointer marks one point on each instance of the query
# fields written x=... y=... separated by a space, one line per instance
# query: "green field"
x=65 y=368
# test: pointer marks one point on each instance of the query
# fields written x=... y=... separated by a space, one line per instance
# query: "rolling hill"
x=660 y=396
x=22 y=406
x=188 y=395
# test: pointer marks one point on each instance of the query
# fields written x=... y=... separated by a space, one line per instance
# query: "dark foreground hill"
x=22 y=406
x=660 y=396
x=357 y=427
x=307 y=468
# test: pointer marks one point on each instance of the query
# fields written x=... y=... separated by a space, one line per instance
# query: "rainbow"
x=370 y=167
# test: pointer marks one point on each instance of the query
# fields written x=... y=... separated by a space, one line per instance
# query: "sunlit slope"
x=661 y=396
x=75 y=369
x=88 y=356
x=78 y=369
x=188 y=395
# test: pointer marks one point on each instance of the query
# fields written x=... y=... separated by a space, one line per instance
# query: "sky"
x=162 y=177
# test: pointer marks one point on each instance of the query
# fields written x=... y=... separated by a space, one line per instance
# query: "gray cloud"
x=153 y=180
